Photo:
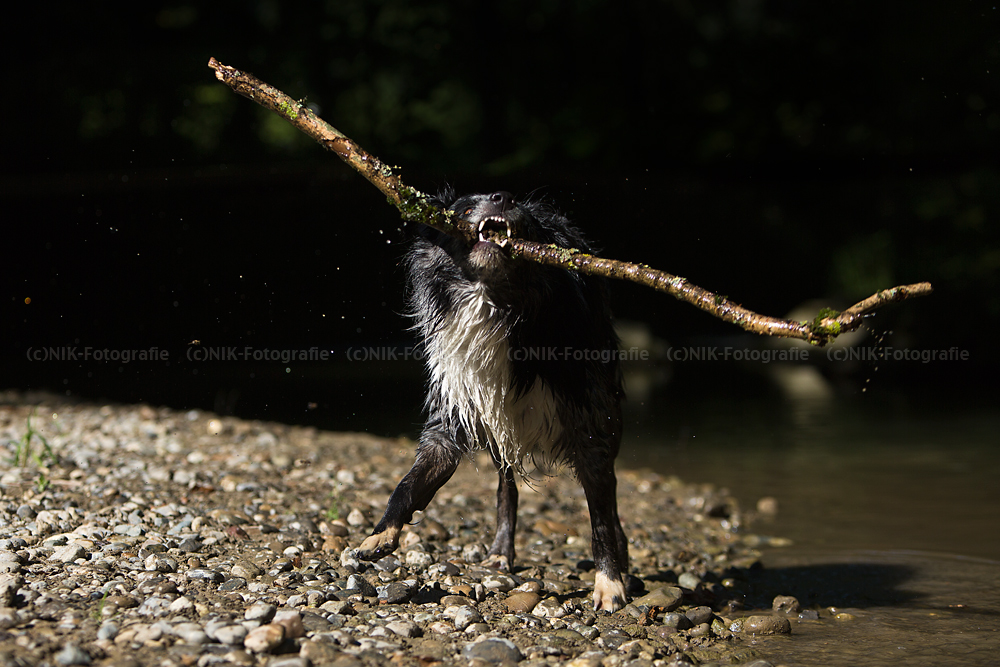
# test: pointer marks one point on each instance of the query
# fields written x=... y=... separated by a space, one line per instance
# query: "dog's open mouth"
x=496 y=230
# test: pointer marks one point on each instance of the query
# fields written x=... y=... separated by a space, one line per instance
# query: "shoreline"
x=188 y=538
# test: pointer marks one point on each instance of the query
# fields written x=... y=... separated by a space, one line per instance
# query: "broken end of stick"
x=829 y=323
x=217 y=66
x=222 y=71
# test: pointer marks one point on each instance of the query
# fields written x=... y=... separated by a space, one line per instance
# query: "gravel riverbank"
x=151 y=536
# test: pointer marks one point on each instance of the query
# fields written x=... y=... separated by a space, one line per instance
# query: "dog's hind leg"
x=437 y=459
x=502 y=551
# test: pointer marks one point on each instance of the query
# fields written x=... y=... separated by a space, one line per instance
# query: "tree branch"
x=414 y=207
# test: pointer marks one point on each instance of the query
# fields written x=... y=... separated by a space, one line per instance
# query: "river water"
x=892 y=506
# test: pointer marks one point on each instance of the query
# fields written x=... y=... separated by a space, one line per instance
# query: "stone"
x=9 y=585
x=154 y=606
x=260 y=611
x=264 y=639
x=522 y=603
x=415 y=558
x=288 y=661
x=466 y=616
x=766 y=625
x=231 y=635
x=68 y=554
x=108 y=631
x=291 y=621
x=71 y=654
x=319 y=653
x=494 y=650
x=676 y=621
x=180 y=605
x=786 y=604
x=246 y=570
x=668 y=597
x=550 y=608
x=190 y=633
x=356 y=582
x=203 y=574
x=404 y=628
x=441 y=628
x=395 y=592
x=498 y=582
x=699 y=615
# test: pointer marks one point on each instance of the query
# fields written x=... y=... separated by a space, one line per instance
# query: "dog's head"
x=494 y=218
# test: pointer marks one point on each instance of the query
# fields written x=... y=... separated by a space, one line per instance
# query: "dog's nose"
x=504 y=200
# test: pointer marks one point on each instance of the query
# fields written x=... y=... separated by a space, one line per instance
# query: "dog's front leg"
x=437 y=459
x=608 y=542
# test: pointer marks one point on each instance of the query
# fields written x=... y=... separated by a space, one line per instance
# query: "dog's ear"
x=445 y=196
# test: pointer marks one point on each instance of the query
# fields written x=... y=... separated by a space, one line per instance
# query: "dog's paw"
x=609 y=594
x=378 y=545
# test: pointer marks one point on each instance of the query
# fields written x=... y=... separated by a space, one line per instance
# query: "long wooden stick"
x=414 y=207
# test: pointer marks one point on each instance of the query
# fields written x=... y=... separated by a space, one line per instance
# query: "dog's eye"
x=467 y=212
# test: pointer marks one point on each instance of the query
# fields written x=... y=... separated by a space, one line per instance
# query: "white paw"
x=378 y=545
x=609 y=594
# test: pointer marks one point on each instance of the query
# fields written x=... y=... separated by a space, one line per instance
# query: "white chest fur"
x=471 y=373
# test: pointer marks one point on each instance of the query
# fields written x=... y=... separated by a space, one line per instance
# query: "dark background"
x=771 y=151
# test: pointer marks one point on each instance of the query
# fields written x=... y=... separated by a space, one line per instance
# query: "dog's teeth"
x=510 y=232
x=482 y=224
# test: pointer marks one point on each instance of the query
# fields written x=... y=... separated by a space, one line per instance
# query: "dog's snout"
x=502 y=200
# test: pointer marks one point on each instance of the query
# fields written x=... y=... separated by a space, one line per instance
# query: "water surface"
x=892 y=505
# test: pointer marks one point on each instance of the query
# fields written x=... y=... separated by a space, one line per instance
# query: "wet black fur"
x=539 y=308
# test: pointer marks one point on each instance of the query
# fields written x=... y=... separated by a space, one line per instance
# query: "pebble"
x=232 y=635
x=68 y=554
x=223 y=553
x=688 y=580
x=264 y=639
x=466 y=616
x=180 y=605
x=699 y=615
x=766 y=625
x=395 y=592
x=71 y=654
x=404 y=628
x=676 y=621
x=786 y=604
x=522 y=602
x=9 y=585
x=189 y=633
x=498 y=582
x=358 y=583
x=246 y=570
x=416 y=558
x=154 y=606
x=493 y=650
x=550 y=608
x=291 y=621
x=108 y=631
x=261 y=611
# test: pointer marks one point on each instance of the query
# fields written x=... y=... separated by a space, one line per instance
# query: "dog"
x=523 y=362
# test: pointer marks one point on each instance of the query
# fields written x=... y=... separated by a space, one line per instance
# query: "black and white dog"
x=523 y=363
